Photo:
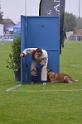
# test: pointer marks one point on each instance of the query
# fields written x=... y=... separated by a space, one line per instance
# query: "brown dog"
x=55 y=77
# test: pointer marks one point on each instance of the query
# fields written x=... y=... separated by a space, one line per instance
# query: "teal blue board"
x=42 y=32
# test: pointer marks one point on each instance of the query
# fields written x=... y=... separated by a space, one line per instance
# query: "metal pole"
x=79 y=8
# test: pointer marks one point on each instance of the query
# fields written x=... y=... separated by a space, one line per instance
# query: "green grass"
x=21 y=107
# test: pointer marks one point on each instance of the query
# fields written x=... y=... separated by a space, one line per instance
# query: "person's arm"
x=44 y=57
x=27 y=51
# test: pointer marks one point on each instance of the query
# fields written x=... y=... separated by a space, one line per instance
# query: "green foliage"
x=79 y=23
x=1 y=17
x=70 y=22
x=14 y=56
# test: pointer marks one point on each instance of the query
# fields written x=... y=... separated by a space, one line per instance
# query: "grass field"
x=42 y=104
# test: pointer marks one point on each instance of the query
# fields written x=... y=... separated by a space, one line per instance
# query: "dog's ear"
x=49 y=70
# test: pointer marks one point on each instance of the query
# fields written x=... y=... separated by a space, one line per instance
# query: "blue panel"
x=42 y=32
x=53 y=62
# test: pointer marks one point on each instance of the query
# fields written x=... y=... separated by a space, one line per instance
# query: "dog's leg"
x=59 y=81
x=51 y=81
x=69 y=79
x=70 y=82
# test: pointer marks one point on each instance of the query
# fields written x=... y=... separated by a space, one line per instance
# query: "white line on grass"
x=13 y=90
x=77 y=66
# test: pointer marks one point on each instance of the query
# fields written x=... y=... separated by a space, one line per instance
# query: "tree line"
x=71 y=22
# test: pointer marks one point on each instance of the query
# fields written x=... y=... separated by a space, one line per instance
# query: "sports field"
x=58 y=103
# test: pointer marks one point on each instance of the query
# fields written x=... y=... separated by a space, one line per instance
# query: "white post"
x=76 y=37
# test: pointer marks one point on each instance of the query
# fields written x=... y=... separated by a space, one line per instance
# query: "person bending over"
x=39 y=63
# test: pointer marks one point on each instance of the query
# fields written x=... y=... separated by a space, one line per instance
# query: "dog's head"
x=48 y=71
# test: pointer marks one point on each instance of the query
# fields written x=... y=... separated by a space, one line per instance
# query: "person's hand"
x=33 y=69
x=21 y=55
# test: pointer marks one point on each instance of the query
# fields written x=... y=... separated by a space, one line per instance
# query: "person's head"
x=39 y=52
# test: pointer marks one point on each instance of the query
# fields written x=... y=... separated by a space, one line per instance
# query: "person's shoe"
x=44 y=83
